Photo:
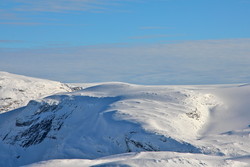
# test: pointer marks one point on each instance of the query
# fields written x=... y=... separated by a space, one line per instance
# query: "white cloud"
x=62 y=5
x=151 y=36
x=10 y=41
x=154 y=28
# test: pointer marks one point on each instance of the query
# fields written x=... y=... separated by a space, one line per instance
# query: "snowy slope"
x=179 y=125
x=228 y=126
x=16 y=90
x=147 y=159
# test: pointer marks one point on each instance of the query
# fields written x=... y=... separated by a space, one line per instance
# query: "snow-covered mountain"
x=120 y=124
x=16 y=90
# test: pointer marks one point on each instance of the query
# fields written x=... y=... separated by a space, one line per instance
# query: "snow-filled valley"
x=47 y=123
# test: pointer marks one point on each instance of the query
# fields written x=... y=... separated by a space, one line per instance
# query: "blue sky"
x=136 y=41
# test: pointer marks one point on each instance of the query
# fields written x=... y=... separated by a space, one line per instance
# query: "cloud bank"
x=186 y=62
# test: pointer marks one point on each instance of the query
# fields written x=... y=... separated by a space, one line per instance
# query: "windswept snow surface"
x=16 y=90
x=147 y=159
x=119 y=124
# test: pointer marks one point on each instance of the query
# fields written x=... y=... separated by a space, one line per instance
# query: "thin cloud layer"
x=23 y=12
x=151 y=36
x=154 y=28
x=60 y=5
x=10 y=41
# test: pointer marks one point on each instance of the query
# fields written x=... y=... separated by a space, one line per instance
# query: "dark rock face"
x=139 y=145
x=25 y=123
x=34 y=128
x=76 y=88
x=135 y=142
x=36 y=133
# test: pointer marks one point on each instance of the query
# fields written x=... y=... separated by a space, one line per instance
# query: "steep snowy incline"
x=16 y=90
x=228 y=125
x=104 y=120
x=224 y=129
x=160 y=109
